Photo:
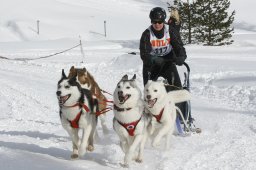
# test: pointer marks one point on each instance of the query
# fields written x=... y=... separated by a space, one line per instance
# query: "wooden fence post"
x=37 y=27
x=81 y=49
x=105 y=27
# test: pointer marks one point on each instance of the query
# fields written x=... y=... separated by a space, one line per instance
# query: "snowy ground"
x=223 y=81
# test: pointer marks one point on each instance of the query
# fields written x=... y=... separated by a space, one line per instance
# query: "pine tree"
x=213 y=23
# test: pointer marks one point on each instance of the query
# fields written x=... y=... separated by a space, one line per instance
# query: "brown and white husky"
x=87 y=81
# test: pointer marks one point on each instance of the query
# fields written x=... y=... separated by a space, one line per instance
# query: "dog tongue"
x=63 y=99
x=123 y=98
x=126 y=97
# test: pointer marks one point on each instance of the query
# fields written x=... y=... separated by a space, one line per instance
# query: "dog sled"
x=185 y=122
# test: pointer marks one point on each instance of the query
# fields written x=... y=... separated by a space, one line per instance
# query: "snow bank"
x=237 y=90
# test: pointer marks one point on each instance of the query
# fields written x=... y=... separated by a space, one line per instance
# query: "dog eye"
x=67 y=87
x=155 y=90
x=118 y=87
x=128 y=87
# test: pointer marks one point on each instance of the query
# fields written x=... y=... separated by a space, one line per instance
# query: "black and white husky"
x=77 y=109
x=129 y=121
x=161 y=106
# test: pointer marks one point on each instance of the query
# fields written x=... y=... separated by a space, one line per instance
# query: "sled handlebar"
x=186 y=65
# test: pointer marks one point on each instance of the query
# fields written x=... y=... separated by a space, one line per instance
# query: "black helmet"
x=157 y=14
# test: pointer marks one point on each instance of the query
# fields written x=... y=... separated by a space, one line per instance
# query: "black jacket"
x=177 y=45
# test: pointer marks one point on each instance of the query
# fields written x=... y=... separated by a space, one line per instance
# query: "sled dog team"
x=135 y=120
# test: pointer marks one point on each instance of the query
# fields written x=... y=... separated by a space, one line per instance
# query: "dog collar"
x=130 y=127
x=121 y=109
x=159 y=116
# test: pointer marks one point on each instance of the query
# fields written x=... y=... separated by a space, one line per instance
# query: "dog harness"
x=75 y=123
x=130 y=127
x=159 y=116
x=102 y=102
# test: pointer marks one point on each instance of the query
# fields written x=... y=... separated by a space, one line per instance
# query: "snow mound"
x=237 y=90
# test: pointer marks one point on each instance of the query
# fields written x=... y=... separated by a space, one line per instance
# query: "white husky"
x=161 y=106
x=129 y=121
x=77 y=109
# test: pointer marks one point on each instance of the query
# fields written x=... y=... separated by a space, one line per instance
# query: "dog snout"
x=58 y=93
x=148 y=97
x=120 y=93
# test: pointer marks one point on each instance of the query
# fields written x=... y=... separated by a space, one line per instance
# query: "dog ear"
x=133 y=84
x=85 y=72
x=149 y=81
x=125 y=77
x=72 y=68
x=134 y=77
x=160 y=79
x=63 y=74
x=73 y=79
x=165 y=81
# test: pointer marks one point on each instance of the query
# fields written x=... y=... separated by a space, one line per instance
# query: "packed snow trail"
x=31 y=130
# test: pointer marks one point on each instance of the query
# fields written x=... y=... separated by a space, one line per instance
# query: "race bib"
x=160 y=47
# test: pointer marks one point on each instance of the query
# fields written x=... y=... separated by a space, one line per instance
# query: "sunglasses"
x=157 y=22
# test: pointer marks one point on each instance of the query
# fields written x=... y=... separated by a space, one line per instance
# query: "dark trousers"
x=168 y=71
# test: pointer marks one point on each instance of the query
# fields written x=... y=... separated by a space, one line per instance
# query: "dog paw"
x=90 y=148
x=124 y=165
x=74 y=156
x=75 y=151
x=156 y=144
x=139 y=160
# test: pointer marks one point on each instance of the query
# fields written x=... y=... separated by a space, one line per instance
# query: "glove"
x=158 y=61
x=179 y=61
x=171 y=20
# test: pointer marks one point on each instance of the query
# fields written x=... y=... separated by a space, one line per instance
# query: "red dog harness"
x=75 y=123
x=159 y=116
x=130 y=127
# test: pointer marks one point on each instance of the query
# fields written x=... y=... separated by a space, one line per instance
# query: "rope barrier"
x=23 y=59
x=55 y=53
